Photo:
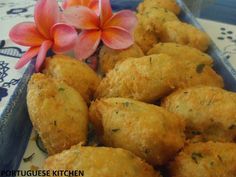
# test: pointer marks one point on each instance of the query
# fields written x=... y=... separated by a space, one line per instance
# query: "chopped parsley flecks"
x=233 y=126
x=196 y=157
x=150 y=60
x=126 y=104
x=61 y=89
x=147 y=151
x=200 y=68
x=212 y=163
x=196 y=132
x=220 y=158
x=115 y=130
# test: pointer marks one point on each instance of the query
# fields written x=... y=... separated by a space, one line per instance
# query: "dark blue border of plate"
x=15 y=126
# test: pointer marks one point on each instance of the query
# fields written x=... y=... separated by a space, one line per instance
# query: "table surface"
x=12 y=12
x=217 y=10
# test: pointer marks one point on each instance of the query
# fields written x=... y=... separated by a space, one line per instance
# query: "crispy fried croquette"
x=209 y=112
x=109 y=57
x=58 y=113
x=146 y=79
x=155 y=18
x=170 y=5
x=75 y=73
x=146 y=33
x=100 y=161
x=205 y=160
x=186 y=34
x=148 y=131
x=181 y=52
x=144 y=38
x=151 y=77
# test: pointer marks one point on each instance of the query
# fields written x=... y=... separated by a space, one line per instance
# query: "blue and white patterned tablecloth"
x=13 y=12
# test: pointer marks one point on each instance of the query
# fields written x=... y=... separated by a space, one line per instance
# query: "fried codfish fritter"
x=209 y=112
x=170 y=5
x=154 y=19
x=152 y=77
x=186 y=34
x=150 y=23
x=144 y=38
x=181 y=52
x=148 y=131
x=109 y=57
x=100 y=161
x=58 y=113
x=205 y=160
x=146 y=78
x=75 y=73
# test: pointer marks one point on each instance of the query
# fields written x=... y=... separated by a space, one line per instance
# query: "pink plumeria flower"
x=92 y=4
x=46 y=33
x=115 y=30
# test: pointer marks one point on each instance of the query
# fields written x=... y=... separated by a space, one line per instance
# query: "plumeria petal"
x=85 y=2
x=117 y=38
x=65 y=4
x=87 y=43
x=46 y=45
x=64 y=37
x=71 y=3
x=81 y=17
x=105 y=11
x=62 y=18
x=26 y=34
x=94 y=6
x=125 y=19
x=32 y=52
x=46 y=14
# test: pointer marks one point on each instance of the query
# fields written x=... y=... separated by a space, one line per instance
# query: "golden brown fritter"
x=205 y=160
x=58 y=113
x=186 y=34
x=170 y=5
x=152 y=77
x=75 y=73
x=209 y=112
x=109 y=57
x=181 y=52
x=148 y=131
x=155 y=18
x=146 y=79
x=100 y=161
x=146 y=39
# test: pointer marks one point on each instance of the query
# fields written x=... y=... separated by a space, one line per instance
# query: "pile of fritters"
x=156 y=104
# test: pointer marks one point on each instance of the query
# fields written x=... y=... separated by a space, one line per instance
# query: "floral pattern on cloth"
x=9 y=77
x=224 y=36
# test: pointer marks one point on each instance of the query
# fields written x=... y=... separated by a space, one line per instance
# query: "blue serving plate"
x=15 y=126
